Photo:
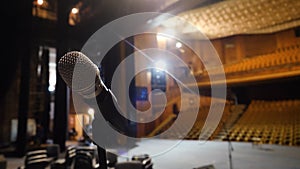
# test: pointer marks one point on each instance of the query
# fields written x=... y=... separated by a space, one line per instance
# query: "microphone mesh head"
x=85 y=74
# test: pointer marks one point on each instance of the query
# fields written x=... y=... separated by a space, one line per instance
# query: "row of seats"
x=285 y=56
x=264 y=61
x=229 y=116
x=269 y=122
x=75 y=157
x=282 y=56
x=202 y=128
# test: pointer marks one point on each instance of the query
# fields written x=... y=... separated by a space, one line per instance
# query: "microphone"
x=84 y=87
x=86 y=68
x=91 y=89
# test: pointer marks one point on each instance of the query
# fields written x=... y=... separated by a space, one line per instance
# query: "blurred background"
x=257 y=42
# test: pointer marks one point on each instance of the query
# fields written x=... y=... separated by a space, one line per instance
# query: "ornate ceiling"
x=232 y=17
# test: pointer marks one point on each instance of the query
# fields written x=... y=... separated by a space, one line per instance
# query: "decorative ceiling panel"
x=234 y=17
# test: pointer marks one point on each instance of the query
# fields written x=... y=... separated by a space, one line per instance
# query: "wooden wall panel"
x=229 y=47
x=286 y=38
x=259 y=44
x=217 y=43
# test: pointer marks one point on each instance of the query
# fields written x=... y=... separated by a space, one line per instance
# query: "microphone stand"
x=111 y=114
x=102 y=158
x=101 y=152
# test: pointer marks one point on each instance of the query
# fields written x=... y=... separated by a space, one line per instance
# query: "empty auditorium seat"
x=83 y=153
x=86 y=160
x=145 y=159
x=37 y=159
x=67 y=161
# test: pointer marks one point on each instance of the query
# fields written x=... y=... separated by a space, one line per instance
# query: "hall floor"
x=191 y=154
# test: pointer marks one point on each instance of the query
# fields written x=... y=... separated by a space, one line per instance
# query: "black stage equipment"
x=105 y=98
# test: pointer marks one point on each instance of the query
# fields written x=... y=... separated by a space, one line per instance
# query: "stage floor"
x=190 y=154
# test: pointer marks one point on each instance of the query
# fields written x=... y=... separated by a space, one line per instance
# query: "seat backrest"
x=90 y=149
x=145 y=159
x=33 y=155
x=83 y=160
x=53 y=150
x=37 y=159
x=129 y=165
x=70 y=155
x=38 y=164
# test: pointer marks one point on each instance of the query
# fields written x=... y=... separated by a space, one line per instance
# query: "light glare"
x=51 y=88
x=91 y=111
x=178 y=45
x=160 y=65
x=160 y=37
x=75 y=10
x=40 y=2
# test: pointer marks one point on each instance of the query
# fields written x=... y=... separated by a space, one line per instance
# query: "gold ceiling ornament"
x=234 y=17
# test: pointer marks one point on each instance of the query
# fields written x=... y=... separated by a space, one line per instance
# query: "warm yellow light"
x=75 y=10
x=40 y=2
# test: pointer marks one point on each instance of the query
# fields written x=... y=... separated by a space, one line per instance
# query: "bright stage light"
x=40 y=2
x=75 y=10
x=160 y=65
x=178 y=45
